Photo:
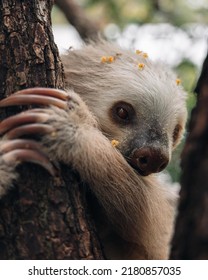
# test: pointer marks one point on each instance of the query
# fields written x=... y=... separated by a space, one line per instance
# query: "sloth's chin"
x=139 y=171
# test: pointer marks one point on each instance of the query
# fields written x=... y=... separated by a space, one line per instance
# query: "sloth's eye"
x=123 y=112
x=176 y=133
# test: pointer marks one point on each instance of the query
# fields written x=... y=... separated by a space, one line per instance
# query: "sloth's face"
x=145 y=141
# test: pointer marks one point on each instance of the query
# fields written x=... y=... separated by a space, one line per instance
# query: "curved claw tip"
x=53 y=92
x=25 y=155
x=22 y=99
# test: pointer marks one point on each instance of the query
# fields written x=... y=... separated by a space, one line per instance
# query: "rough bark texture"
x=191 y=232
x=41 y=217
x=29 y=56
x=76 y=17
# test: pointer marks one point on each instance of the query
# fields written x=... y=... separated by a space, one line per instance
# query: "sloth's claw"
x=26 y=123
x=38 y=96
x=32 y=116
x=28 y=129
x=8 y=146
x=30 y=123
x=34 y=99
x=17 y=151
x=57 y=93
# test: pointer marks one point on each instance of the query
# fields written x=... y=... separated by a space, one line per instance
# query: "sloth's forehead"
x=152 y=93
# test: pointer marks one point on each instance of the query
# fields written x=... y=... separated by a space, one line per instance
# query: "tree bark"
x=76 y=17
x=41 y=217
x=191 y=232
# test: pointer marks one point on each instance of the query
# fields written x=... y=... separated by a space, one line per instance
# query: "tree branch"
x=76 y=16
x=191 y=232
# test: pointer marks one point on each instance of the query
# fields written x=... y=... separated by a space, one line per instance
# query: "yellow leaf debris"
x=138 y=52
x=107 y=59
x=104 y=59
x=114 y=143
x=145 y=55
x=141 y=66
x=178 y=82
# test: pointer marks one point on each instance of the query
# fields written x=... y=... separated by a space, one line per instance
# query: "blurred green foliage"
x=57 y=16
x=187 y=72
x=122 y=12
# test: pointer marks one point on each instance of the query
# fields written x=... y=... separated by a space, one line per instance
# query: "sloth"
x=117 y=124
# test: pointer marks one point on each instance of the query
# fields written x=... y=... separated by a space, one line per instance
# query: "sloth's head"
x=137 y=102
x=147 y=130
x=146 y=119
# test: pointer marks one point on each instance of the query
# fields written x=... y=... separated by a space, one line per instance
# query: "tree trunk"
x=41 y=217
x=191 y=233
x=76 y=17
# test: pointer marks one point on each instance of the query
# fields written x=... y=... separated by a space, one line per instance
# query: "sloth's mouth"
x=136 y=168
x=139 y=171
x=146 y=169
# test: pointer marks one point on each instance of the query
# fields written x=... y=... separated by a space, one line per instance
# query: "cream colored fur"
x=138 y=206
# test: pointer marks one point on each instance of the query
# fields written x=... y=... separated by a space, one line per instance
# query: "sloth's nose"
x=149 y=160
